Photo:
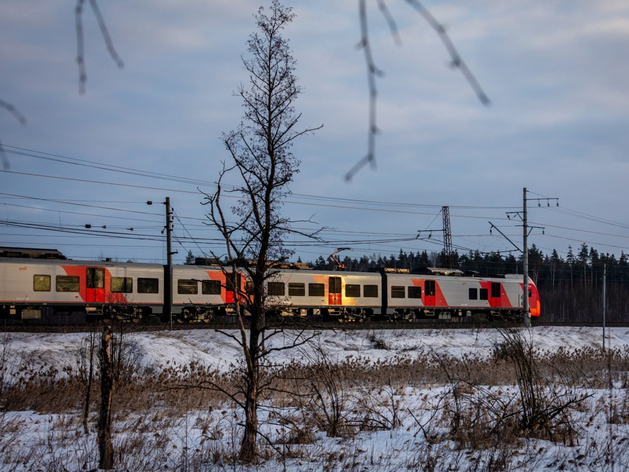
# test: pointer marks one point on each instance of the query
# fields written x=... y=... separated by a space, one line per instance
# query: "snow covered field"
x=214 y=350
x=387 y=423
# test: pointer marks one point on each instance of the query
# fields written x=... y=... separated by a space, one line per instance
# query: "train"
x=59 y=291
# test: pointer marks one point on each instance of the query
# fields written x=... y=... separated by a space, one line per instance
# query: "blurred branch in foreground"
x=373 y=72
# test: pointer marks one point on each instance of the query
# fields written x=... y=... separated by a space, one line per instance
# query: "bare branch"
x=391 y=21
x=19 y=117
x=373 y=71
x=106 y=37
x=80 y=56
x=14 y=111
x=457 y=61
x=80 y=40
x=302 y=341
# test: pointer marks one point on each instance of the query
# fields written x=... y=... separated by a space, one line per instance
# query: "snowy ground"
x=215 y=350
x=208 y=439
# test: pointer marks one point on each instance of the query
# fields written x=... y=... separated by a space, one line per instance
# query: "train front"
x=534 y=303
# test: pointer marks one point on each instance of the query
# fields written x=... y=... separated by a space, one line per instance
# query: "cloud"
x=555 y=71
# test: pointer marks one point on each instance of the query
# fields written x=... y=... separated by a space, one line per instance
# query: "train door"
x=335 y=297
x=95 y=285
x=494 y=299
x=429 y=293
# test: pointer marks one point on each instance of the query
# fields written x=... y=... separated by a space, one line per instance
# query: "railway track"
x=292 y=324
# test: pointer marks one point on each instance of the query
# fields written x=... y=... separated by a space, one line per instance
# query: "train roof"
x=69 y=262
x=30 y=253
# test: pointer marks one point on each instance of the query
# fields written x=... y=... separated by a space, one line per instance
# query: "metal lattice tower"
x=448 y=252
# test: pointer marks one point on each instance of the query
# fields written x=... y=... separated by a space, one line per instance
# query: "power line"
x=587 y=242
x=65 y=202
x=78 y=204
x=562 y=210
x=585 y=216
x=323 y=201
x=95 y=165
x=188 y=232
x=186 y=180
x=100 y=182
x=91 y=215
x=80 y=231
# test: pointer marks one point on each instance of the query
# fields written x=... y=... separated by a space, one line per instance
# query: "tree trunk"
x=90 y=377
x=105 y=446
x=249 y=446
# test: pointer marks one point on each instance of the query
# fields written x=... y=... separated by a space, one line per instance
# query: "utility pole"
x=525 y=264
x=604 y=299
x=168 y=282
x=167 y=311
x=526 y=230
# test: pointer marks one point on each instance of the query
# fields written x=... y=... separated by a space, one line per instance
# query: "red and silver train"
x=63 y=291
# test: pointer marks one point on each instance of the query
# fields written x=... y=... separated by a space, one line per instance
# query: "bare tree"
x=262 y=160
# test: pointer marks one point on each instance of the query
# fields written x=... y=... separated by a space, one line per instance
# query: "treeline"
x=571 y=288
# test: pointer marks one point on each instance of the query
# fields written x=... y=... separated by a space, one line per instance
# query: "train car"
x=202 y=292
x=332 y=295
x=398 y=295
x=62 y=291
x=450 y=294
x=68 y=291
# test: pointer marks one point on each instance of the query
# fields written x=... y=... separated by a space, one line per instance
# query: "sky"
x=558 y=124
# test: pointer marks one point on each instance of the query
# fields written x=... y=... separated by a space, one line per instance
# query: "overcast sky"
x=556 y=72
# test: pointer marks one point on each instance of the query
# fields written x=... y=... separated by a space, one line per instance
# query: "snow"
x=29 y=434
x=210 y=348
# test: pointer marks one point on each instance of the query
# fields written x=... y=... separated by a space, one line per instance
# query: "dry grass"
x=469 y=413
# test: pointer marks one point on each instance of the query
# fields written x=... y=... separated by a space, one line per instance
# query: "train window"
x=352 y=290
x=249 y=287
x=335 y=284
x=68 y=283
x=276 y=288
x=370 y=291
x=187 y=287
x=316 y=290
x=211 y=287
x=414 y=292
x=41 y=283
x=429 y=288
x=94 y=277
x=148 y=285
x=473 y=294
x=296 y=289
x=121 y=285
x=397 y=291
x=483 y=294
x=495 y=290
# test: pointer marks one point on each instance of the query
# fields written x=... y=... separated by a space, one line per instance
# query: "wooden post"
x=105 y=446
